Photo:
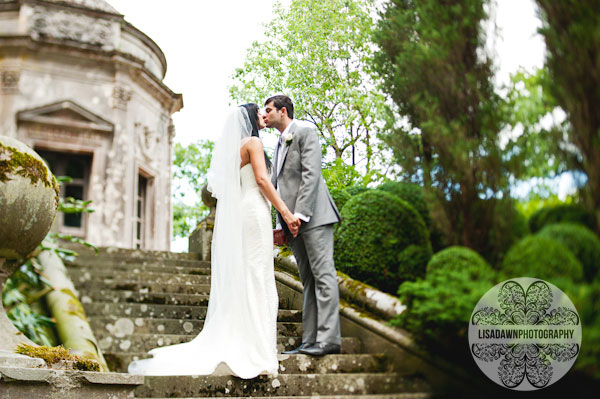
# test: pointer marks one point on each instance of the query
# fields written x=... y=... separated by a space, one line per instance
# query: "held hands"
x=292 y=222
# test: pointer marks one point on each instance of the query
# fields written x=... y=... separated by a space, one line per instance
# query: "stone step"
x=141 y=343
x=139 y=268
x=79 y=276
x=282 y=385
x=288 y=364
x=153 y=298
x=107 y=261
x=142 y=286
x=167 y=311
x=149 y=297
x=417 y=395
x=123 y=326
x=112 y=252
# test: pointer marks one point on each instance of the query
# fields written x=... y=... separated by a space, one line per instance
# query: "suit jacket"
x=300 y=181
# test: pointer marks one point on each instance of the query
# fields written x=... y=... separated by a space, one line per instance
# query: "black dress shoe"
x=304 y=345
x=320 y=349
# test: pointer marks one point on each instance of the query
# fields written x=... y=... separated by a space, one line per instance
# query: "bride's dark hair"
x=252 y=110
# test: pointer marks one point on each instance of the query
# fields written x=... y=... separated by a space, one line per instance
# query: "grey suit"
x=303 y=190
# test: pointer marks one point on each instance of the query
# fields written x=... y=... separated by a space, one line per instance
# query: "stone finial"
x=28 y=199
x=207 y=198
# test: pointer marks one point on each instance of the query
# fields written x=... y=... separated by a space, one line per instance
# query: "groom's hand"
x=279 y=237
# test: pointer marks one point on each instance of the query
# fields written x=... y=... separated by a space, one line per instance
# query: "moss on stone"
x=27 y=166
x=57 y=354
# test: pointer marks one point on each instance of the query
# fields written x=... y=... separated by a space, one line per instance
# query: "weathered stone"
x=18 y=382
x=78 y=81
x=28 y=199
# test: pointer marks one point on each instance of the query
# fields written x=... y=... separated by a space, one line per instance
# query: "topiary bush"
x=371 y=241
x=340 y=197
x=541 y=257
x=438 y=308
x=582 y=242
x=560 y=213
x=458 y=258
x=411 y=193
x=356 y=190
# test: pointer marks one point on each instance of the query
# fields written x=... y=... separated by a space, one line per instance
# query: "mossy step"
x=142 y=286
x=152 y=298
x=121 y=326
x=79 y=276
x=108 y=261
x=145 y=342
x=418 y=395
x=137 y=268
x=105 y=252
x=166 y=311
x=288 y=364
x=282 y=385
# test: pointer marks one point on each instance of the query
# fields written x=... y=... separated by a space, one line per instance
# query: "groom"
x=297 y=177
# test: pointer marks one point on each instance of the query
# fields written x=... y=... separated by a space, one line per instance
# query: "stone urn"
x=201 y=238
x=28 y=203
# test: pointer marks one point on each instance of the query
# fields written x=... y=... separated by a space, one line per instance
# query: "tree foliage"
x=191 y=166
x=434 y=66
x=572 y=34
x=317 y=53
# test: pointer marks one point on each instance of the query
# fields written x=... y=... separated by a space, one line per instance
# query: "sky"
x=204 y=41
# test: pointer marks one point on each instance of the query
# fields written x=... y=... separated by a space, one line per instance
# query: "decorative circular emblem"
x=525 y=334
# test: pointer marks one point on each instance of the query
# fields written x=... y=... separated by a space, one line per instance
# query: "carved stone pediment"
x=66 y=114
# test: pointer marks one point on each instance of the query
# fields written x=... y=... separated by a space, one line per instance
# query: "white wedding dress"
x=239 y=336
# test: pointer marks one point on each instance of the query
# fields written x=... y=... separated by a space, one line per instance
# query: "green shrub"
x=582 y=242
x=560 y=213
x=340 y=197
x=586 y=298
x=370 y=242
x=541 y=257
x=411 y=193
x=439 y=307
x=356 y=190
x=458 y=258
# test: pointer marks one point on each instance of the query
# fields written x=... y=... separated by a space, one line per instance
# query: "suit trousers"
x=313 y=250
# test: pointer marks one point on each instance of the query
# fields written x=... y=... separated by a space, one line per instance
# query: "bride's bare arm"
x=257 y=159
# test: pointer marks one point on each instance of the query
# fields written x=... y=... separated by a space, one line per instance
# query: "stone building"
x=83 y=87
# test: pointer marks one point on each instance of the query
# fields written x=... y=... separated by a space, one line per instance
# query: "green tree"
x=317 y=52
x=191 y=166
x=435 y=68
x=572 y=34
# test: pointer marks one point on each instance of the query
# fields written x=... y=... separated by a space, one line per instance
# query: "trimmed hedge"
x=560 y=213
x=381 y=241
x=581 y=241
x=458 y=258
x=411 y=193
x=340 y=197
x=541 y=257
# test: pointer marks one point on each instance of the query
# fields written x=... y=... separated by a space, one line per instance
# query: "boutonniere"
x=288 y=139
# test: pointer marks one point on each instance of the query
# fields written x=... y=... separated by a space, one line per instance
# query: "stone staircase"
x=138 y=300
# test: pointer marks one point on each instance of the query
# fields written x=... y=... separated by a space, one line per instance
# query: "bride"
x=239 y=336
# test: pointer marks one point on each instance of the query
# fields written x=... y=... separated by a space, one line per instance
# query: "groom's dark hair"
x=280 y=101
